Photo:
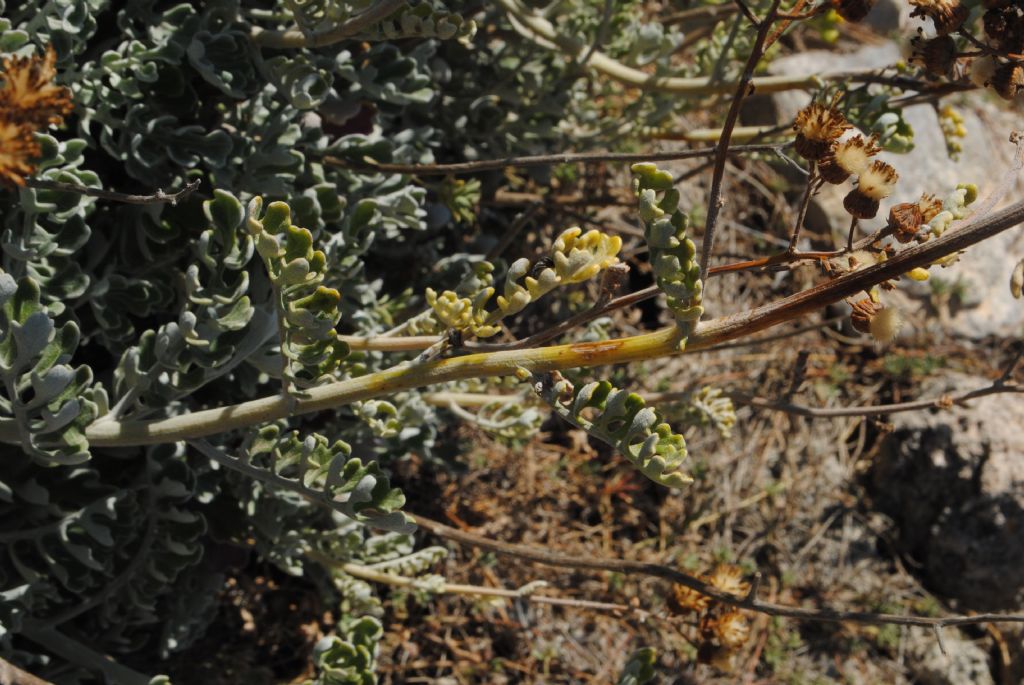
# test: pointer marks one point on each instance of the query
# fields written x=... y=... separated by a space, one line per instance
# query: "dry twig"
x=546 y=160
x=156 y=198
x=547 y=557
x=715 y=201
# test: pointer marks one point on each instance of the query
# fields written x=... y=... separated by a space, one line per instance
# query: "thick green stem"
x=648 y=346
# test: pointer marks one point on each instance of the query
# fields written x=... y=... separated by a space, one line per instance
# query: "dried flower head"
x=936 y=56
x=848 y=157
x=886 y=324
x=930 y=207
x=28 y=94
x=1005 y=29
x=905 y=220
x=946 y=15
x=996 y=23
x=1008 y=80
x=17 y=149
x=731 y=629
x=28 y=101
x=686 y=600
x=874 y=184
x=817 y=126
x=863 y=312
x=729 y=578
x=853 y=10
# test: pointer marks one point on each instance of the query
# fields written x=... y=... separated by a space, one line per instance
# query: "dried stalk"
x=548 y=557
x=158 y=197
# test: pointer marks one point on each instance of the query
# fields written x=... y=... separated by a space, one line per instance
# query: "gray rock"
x=964 y=661
x=984 y=270
x=953 y=483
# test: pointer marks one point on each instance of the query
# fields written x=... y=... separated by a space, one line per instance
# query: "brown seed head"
x=28 y=95
x=936 y=56
x=1008 y=80
x=1005 y=28
x=946 y=15
x=686 y=600
x=729 y=578
x=863 y=312
x=817 y=126
x=28 y=102
x=732 y=630
x=17 y=150
x=930 y=207
x=905 y=220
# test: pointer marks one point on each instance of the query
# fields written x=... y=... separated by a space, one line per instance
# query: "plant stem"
x=375 y=576
x=547 y=160
x=77 y=653
x=295 y=38
x=159 y=197
x=579 y=355
x=715 y=201
x=543 y=555
x=805 y=202
x=944 y=402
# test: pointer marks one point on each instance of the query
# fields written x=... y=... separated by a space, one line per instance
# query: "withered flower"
x=729 y=578
x=817 y=126
x=946 y=15
x=930 y=207
x=687 y=600
x=936 y=56
x=880 y=322
x=905 y=220
x=731 y=629
x=1008 y=80
x=873 y=185
x=1005 y=28
x=17 y=149
x=853 y=10
x=28 y=101
x=847 y=158
x=863 y=312
x=28 y=94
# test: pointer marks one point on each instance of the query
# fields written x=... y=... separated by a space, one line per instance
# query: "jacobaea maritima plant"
x=256 y=381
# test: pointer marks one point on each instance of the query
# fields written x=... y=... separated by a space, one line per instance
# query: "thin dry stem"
x=715 y=200
x=159 y=197
x=548 y=557
x=544 y=160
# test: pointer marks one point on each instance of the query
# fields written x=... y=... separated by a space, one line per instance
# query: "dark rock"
x=953 y=483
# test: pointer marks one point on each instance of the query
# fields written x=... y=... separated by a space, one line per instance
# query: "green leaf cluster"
x=676 y=271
